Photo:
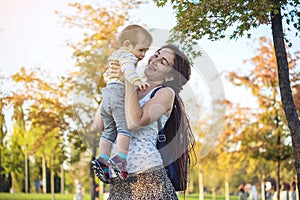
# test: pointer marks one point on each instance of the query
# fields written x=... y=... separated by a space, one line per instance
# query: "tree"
x=232 y=160
x=268 y=136
x=197 y=18
x=3 y=134
x=98 y=24
x=12 y=147
x=42 y=113
x=17 y=163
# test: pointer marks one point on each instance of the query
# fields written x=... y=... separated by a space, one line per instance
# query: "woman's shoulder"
x=165 y=97
x=166 y=91
x=152 y=92
x=157 y=94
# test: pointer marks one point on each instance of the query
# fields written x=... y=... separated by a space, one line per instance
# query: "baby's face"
x=140 y=49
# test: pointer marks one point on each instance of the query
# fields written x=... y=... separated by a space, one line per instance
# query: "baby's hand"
x=141 y=85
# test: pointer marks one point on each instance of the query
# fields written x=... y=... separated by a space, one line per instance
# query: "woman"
x=168 y=69
x=242 y=194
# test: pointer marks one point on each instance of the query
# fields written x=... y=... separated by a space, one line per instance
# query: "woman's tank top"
x=142 y=152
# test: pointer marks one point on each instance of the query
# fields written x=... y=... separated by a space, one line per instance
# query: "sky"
x=31 y=35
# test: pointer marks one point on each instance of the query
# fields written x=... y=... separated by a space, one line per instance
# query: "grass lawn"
x=206 y=197
x=22 y=196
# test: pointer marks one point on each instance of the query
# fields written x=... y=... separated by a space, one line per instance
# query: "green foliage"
x=269 y=133
x=48 y=123
x=41 y=117
x=219 y=19
x=263 y=135
x=98 y=23
x=3 y=133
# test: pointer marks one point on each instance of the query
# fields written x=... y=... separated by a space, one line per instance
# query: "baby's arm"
x=128 y=66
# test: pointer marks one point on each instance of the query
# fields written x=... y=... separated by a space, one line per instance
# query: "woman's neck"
x=155 y=83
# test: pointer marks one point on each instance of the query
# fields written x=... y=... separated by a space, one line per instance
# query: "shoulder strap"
x=161 y=134
x=155 y=90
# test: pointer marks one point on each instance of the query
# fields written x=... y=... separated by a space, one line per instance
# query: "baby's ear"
x=126 y=43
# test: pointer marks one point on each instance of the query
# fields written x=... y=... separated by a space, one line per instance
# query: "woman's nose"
x=154 y=60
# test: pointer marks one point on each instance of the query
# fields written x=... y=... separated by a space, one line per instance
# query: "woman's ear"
x=170 y=78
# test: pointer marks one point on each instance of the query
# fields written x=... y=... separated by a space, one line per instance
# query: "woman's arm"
x=136 y=116
x=98 y=122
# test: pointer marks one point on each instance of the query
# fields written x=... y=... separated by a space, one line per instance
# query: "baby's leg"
x=122 y=145
x=118 y=162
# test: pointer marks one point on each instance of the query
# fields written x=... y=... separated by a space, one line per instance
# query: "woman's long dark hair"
x=177 y=129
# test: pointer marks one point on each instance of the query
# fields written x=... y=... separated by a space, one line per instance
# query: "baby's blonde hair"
x=135 y=33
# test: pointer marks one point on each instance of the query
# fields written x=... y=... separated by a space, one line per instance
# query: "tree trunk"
x=1 y=162
x=44 y=189
x=297 y=190
x=285 y=88
x=13 y=180
x=190 y=186
x=62 y=180
x=26 y=172
x=92 y=181
x=262 y=187
x=213 y=194
x=226 y=187
x=2 y=135
x=92 y=176
x=201 y=190
x=52 y=178
x=279 y=153
x=278 y=179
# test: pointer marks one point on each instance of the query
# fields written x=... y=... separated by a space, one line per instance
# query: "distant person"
x=247 y=189
x=41 y=186
x=78 y=190
x=36 y=184
x=96 y=192
x=293 y=191
x=254 y=192
x=242 y=194
x=269 y=190
x=284 y=192
x=134 y=41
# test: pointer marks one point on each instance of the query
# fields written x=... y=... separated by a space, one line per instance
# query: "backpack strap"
x=155 y=90
x=161 y=134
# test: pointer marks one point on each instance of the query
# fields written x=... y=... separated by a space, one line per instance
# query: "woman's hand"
x=114 y=70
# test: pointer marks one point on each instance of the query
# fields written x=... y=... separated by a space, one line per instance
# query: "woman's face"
x=160 y=65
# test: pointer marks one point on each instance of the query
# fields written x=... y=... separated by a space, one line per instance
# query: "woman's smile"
x=151 y=67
